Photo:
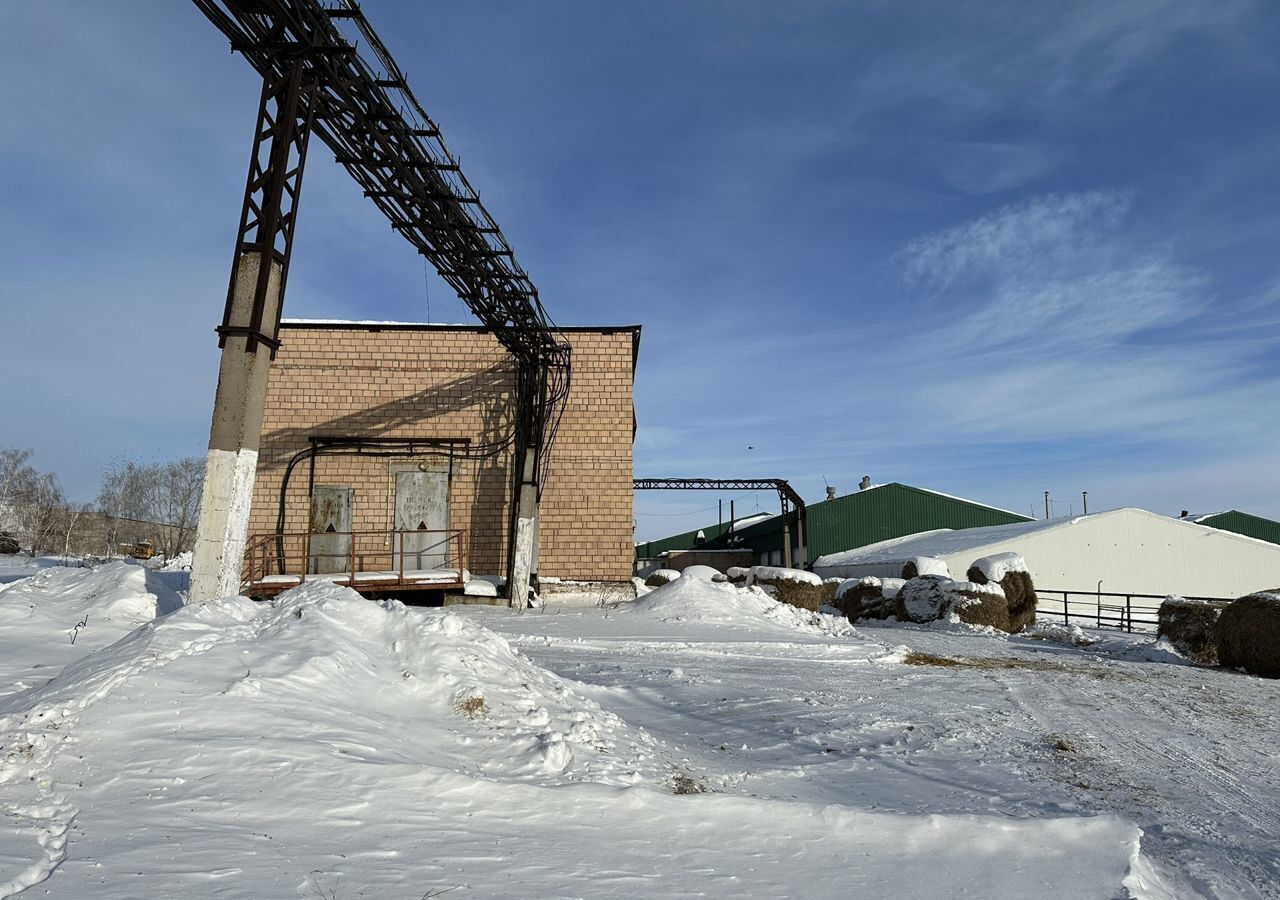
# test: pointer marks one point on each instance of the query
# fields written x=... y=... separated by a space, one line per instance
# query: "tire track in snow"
x=1132 y=765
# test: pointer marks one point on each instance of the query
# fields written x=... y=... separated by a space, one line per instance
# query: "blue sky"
x=990 y=248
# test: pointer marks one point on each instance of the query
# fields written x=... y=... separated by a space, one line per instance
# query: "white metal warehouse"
x=1123 y=551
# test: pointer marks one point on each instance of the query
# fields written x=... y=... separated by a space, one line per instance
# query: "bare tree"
x=30 y=501
x=69 y=521
x=158 y=502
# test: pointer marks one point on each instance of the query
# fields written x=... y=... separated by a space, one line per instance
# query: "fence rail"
x=368 y=560
x=1124 y=612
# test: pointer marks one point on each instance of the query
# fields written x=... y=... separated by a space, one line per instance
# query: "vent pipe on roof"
x=864 y=483
x=831 y=492
x=1047 y=513
x=1086 y=502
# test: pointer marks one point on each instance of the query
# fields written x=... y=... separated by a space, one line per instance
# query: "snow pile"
x=693 y=600
x=480 y=587
x=772 y=574
x=1059 y=633
x=926 y=565
x=180 y=563
x=661 y=576
x=995 y=567
x=63 y=613
x=703 y=573
x=321 y=679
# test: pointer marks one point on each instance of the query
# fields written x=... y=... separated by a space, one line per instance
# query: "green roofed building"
x=875 y=513
x=1240 y=523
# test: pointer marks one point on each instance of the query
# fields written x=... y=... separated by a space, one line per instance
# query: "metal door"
x=330 y=518
x=422 y=511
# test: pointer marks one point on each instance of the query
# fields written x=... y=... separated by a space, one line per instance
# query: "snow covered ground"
x=700 y=742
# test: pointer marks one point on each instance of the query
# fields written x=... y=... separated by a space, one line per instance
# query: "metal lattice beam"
x=316 y=79
x=270 y=200
x=787 y=496
x=364 y=111
x=780 y=485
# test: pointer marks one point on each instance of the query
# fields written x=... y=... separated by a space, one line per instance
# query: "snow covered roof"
x=946 y=542
x=1200 y=517
x=943 y=542
x=752 y=519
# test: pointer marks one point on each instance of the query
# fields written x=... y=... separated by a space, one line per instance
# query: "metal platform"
x=370 y=562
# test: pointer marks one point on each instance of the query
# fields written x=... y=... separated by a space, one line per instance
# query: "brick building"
x=410 y=428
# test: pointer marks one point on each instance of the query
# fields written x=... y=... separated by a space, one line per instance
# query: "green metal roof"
x=1243 y=523
x=857 y=519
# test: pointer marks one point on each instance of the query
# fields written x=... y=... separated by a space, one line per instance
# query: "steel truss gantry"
x=791 y=502
x=317 y=79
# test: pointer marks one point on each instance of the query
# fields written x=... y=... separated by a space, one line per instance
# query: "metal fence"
x=1124 y=612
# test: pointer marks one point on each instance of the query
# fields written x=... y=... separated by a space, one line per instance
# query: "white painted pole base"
x=234 y=438
x=523 y=566
x=224 y=524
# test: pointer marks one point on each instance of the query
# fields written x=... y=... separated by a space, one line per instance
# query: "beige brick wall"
x=436 y=383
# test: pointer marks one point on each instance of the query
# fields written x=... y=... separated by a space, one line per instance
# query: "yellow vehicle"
x=140 y=550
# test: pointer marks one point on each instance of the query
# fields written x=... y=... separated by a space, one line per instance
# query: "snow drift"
x=717 y=603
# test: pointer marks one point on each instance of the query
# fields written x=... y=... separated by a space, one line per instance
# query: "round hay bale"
x=981 y=604
x=801 y=594
x=864 y=599
x=1248 y=633
x=1020 y=595
x=924 y=599
x=1191 y=626
x=794 y=586
x=661 y=577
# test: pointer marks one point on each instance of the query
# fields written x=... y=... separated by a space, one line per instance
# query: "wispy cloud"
x=1056 y=271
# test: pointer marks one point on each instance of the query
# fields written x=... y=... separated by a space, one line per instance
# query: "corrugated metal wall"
x=889 y=511
x=1243 y=523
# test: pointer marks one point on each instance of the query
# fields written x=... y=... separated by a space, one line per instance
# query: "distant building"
x=1239 y=522
x=1121 y=551
x=874 y=513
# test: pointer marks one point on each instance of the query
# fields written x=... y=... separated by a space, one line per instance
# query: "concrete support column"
x=234 y=439
x=526 y=537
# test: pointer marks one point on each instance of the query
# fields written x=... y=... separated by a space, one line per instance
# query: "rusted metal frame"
x=271 y=194
x=362 y=157
x=786 y=494
x=357 y=119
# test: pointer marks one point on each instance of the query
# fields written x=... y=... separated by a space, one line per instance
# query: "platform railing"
x=356 y=558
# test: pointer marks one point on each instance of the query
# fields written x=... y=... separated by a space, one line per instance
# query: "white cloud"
x=1052 y=273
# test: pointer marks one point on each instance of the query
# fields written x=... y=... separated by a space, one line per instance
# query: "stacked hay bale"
x=1009 y=571
x=1192 y=627
x=933 y=597
x=1248 y=633
x=794 y=586
x=661 y=577
x=867 y=598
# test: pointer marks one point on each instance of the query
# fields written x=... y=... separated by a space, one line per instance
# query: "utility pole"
x=249 y=332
